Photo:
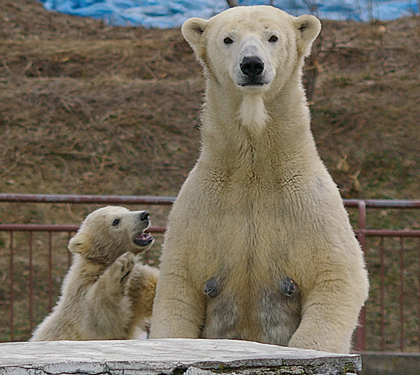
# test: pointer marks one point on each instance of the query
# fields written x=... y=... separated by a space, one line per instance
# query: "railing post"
x=382 y=295
x=50 y=267
x=361 y=331
x=31 y=282
x=12 y=289
x=402 y=292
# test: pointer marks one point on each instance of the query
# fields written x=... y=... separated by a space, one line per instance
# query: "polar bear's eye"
x=273 y=39
x=227 y=40
x=115 y=222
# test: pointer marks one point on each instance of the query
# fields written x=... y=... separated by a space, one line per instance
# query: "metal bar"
x=31 y=282
x=361 y=233
x=50 y=266
x=382 y=324
x=56 y=228
x=69 y=256
x=402 y=294
x=38 y=228
x=12 y=289
x=163 y=200
x=418 y=299
x=383 y=203
x=387 y=233
x=93 y=199
x=362 y=215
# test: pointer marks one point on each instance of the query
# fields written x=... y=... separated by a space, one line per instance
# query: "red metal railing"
x=361 y=230
x=49 y=229
x=362 y=233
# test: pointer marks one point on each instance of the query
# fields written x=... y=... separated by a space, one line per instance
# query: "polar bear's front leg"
x=141 y=290
x=114 y=280
x=179 y=308
x=107 y=305
x=329 y=316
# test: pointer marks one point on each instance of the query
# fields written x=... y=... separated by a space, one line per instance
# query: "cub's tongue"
x=143 y=239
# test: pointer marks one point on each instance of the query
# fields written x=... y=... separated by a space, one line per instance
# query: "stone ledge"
x=169 y=356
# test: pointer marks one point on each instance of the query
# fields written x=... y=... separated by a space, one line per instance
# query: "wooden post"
x=232 y=3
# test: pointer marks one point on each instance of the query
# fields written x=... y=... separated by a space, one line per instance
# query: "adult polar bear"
x=259 y=246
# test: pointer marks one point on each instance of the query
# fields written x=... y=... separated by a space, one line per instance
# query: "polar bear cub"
x=105 y=295
x=259 y=246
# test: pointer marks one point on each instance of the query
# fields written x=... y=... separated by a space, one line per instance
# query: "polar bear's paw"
x=122 y=267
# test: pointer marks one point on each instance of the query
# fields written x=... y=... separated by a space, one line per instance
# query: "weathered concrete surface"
x=391 y=363
x=169 y=356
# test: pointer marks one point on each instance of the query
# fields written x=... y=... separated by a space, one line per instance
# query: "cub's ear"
x=309 y=27
x=193 y=30
x=78 y=243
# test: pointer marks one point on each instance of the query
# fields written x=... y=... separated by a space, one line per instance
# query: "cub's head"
x=111 y=231
x=251 y=46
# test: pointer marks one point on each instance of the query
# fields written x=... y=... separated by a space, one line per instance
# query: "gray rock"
x=169 y=356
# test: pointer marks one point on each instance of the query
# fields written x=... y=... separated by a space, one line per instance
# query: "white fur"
x=259 y=207
x=105 y=295
x=252 y=113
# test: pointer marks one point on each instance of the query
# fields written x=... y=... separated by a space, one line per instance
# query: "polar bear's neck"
x=252 y=113
x=241 y=129
x=86 y=268
x=255 y=113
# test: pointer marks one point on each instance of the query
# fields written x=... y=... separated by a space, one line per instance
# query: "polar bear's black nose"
x=144 y=216
x=252 y=66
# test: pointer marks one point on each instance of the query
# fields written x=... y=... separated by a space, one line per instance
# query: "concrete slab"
x=169 y=356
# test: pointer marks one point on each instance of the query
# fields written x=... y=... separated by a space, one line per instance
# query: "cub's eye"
x=115 y=222
x=227 y=40
x=273 y=39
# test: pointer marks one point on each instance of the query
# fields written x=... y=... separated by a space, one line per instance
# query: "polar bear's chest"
x=267 y=314
x=256 y=226
x=253 y=220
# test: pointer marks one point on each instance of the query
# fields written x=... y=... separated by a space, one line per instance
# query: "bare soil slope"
x=88 y=108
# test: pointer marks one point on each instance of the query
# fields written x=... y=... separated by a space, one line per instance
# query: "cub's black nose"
x=252 y=66
x=144 y=216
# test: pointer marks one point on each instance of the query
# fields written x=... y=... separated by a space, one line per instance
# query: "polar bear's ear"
x=77 y=243
x=193 y=30
x=309 y=27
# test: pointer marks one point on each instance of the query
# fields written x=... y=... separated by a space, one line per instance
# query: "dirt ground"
x=89 y=108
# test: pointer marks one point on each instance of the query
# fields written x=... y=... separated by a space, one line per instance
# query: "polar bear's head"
x=251 y=45
x=109 y=232
x=252 y=51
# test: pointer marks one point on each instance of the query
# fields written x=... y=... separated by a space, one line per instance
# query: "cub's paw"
x=122 y=267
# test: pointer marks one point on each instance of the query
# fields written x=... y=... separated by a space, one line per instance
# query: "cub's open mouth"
x=143 y=239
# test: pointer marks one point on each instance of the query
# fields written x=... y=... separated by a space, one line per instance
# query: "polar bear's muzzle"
x=251 y=66
x=252 y=69
x=144 y=239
